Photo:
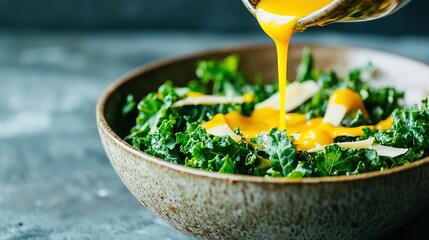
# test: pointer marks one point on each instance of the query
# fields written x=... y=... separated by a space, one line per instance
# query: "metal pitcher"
x=342 y=11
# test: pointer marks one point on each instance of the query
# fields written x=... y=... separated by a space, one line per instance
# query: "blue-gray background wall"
x=191 y=15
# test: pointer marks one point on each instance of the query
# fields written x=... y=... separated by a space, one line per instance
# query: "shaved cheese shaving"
x=271 y=102
x=182 y=91
x=209 y=100
x=297 y=93
x=358 y=145
x=223 y=130
x=334 y=114
x=381 y=150
x=387 y=151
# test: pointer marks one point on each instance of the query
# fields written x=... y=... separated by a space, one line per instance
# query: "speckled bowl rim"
x=107 y=93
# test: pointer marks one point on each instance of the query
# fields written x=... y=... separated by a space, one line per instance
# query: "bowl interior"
x=403 y=73
x=241 y=207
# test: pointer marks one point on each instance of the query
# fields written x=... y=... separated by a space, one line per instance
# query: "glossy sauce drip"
x=278 y=20
x=307 y=134
x=349 y=99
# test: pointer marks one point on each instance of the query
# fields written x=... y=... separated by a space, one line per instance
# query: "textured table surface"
x=55 y=180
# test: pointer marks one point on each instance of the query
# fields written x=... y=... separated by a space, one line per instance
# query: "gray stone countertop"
x=55 y=180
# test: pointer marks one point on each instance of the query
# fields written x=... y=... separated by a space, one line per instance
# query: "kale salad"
x=213 y=123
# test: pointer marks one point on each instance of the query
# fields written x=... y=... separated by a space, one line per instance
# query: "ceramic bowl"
x=209 y=205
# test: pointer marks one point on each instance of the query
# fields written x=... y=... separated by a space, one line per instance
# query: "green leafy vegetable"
x=222 y=74
x=305 y=67
x=410 y=130
x=129 y=105
x=210 y=152
x=176 y=134
x=162 y=143
x=335 y=160
x=279 y=149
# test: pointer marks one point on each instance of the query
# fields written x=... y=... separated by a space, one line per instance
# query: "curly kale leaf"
x=224 y=75
x=213 y=153
x=305 y=67
x=355 y=119
x=380 y=103
x=334 y=160
x=278 y=150
x=271 y=154
x=225 y=79
x=129 y=105
x=151 y=111
x=228 y=165
x=200 y=113
x=410 y=129
x=153 y=103
x=162 y=143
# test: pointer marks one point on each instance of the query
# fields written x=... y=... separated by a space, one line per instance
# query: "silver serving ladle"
x=342 y=11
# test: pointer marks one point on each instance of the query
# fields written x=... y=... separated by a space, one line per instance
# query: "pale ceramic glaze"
x=208 y=205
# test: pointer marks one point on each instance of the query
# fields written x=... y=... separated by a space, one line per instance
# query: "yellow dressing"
x=297 y=128
x=312 y=138
x=384 y=124
x=278 y=20
x=295 y=118
x=195 y=94
x=218 y=119
x=307 y=134
x=248 y=97
x=349 y=99
x=250 y=126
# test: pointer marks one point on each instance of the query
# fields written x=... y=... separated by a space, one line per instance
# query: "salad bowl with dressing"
x=210 y=205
